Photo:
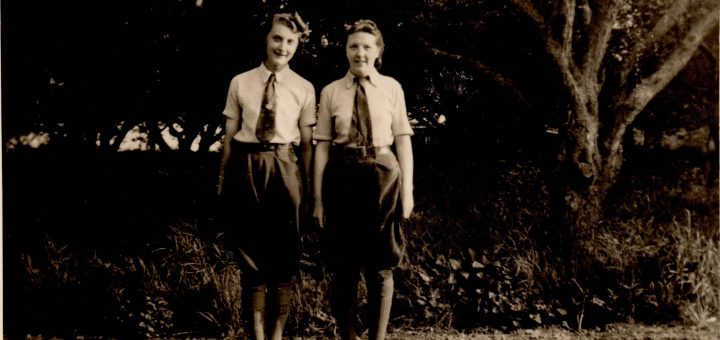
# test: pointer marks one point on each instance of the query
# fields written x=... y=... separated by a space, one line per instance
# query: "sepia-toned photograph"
x=410 y=169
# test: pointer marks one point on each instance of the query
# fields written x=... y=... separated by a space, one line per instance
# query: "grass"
x=481 y=262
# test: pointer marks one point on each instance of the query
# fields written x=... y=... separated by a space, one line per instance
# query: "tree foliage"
x=163 y=66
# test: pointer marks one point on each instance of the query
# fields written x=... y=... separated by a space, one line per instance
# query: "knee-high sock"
x=380 y=292
x=344 y=301
x=253 y=304
x=279 y=302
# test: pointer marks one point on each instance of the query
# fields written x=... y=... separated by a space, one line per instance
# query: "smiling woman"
x=365 y=48
x=363 y=190
x=270 y=111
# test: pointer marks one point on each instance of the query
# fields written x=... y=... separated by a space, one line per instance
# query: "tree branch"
x=531 y=12
x=155 y=137
x=709 y=52
x=122 y=131
x=582 y=28
x=553 y=48
x=209 y=134
x=567 y=9
x=650 y=86
x=585 y=13
x=499 y=79
x=663 y=25
x=598 y=38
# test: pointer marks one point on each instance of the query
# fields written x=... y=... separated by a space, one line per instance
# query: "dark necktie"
x=360 y=127
x=265 y=128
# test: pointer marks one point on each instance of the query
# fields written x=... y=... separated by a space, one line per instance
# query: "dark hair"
x=294 y=22
x=368 y=26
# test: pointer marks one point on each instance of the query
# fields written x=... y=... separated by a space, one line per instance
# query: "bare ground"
x=615 y=331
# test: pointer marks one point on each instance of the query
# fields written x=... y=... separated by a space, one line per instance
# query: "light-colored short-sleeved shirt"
x=386 y=101
x=295 y=105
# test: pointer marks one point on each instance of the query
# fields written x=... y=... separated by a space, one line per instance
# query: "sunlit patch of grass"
x=694 y=273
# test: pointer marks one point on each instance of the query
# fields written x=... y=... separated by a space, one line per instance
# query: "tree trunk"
x=581 y=182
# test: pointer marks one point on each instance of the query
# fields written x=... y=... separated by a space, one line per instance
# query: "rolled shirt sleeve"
x=400 y=123
x=323 y=129
x=307 y=114
x=232 y=104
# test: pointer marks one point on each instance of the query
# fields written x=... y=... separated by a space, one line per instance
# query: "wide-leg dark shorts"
x=361 y=196
x=261 y=204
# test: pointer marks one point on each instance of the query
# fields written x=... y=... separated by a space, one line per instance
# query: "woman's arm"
x=322 y=151
x=403 y=146
x=306 y=159
x=231 y=128
x=306 y=152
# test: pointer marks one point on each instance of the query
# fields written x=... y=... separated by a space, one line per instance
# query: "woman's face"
x=362 y=51
x=281 y=44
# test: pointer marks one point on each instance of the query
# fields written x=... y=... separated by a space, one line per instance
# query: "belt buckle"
x=363 y=151
x=268 y=146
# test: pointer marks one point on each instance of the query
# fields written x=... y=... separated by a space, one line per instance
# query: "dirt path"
x=615 y=331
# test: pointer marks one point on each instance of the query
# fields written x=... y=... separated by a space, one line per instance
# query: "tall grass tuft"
x=311 y=308
x=693 y=268
x=204 y=271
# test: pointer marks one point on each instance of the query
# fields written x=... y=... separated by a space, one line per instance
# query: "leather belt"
x=259 y=147
x=360 y=151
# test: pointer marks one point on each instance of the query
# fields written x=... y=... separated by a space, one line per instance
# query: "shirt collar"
x=279 y=76
x=372 y=78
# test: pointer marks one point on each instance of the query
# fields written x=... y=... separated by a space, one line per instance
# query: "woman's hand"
x=408 y=203
x=322 y=150
x=403 y=146
x=319 y=215
x=231 y=127
x=220 y=185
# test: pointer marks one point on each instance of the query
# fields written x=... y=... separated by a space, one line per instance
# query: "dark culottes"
x=261 y=204
x=361 y=196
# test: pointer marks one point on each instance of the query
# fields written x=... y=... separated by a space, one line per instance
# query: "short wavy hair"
x=368 y=26
x=294 y=22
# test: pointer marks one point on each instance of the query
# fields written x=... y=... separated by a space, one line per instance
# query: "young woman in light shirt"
x=363 y=190
x=270 y=111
